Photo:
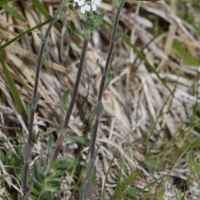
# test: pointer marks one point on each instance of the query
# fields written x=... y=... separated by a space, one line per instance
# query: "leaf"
x=119 y=35
x=122 y=187
x=107 y=81
x=98 y=110
x=26 y=153
x=12 y=12
x=64 y=99
x=160 y=193
x=59 y=166
x=75 y=30
x=193 y=167
x=63 y=162
x=50 y=142
x=28 y=111
x=94 y=23
x=131 y=192
x=101 y=67
x=98 y=21
x=41 y=36
x=38 y=175
x=77 y=139
x=43 y=57
x=62 y=15
x=117 y=3
x=14 y=92
x=152 y=163
x=35 y=100
x=93 y=175
x=86 y=190
x=3 y=2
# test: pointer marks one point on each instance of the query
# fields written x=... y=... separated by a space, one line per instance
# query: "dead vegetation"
x=134 y=100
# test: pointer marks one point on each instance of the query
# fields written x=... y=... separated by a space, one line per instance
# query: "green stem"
x=101 y=89
x=74 y=95
x=38 y=68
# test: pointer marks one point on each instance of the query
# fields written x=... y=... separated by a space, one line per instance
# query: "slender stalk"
x=112 y=44
x=74 y=95
x=38 y=67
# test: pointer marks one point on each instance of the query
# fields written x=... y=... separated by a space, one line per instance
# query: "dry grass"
x=132 y=102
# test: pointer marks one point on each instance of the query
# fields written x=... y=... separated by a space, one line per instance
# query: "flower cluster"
x=87 y=5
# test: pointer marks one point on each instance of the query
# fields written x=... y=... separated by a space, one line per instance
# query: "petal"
x=76 y=0
x=82 y=9
x=80 y=3
x=97 y=2
x=87 y=7
x=94 y=7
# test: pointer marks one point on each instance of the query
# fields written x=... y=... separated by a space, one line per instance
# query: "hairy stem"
x=112 y=44
x=74 y=95
x=38 y=67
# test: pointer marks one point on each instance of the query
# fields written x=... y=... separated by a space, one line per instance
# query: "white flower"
x=80 y=2
x=85 y=7
x=94 y=3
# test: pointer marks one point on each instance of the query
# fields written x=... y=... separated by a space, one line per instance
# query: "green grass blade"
x=43 y=10
x=14 y=92
x=142 y=57
x=12 y=12
x=20 y=35
x=3 y=2
x=187 y=57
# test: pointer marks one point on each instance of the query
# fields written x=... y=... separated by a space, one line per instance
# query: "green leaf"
x=93 y=175
x=41 y=36
x=119 y=35
x=193 y=167
x=63 y=162
x=152 y=163
x=43 y=57
x=107 y=81
x=94 y=23
x=101 y=67
x=98 y=110
x=38 y=175
x=62 y=15
x=64 y=99
x=160 y=194
x=35 y=100
x=131 y=192
x=117 y=3
x=50 y=142
x=26 y=153
x=28 y=111
x=77 y=139
x=58 y=167
x=12 y=12
x=122 y=187
x=98 y=21
x=3 y=2
x=75 y=30
x=14 y=92
x=86 y=190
